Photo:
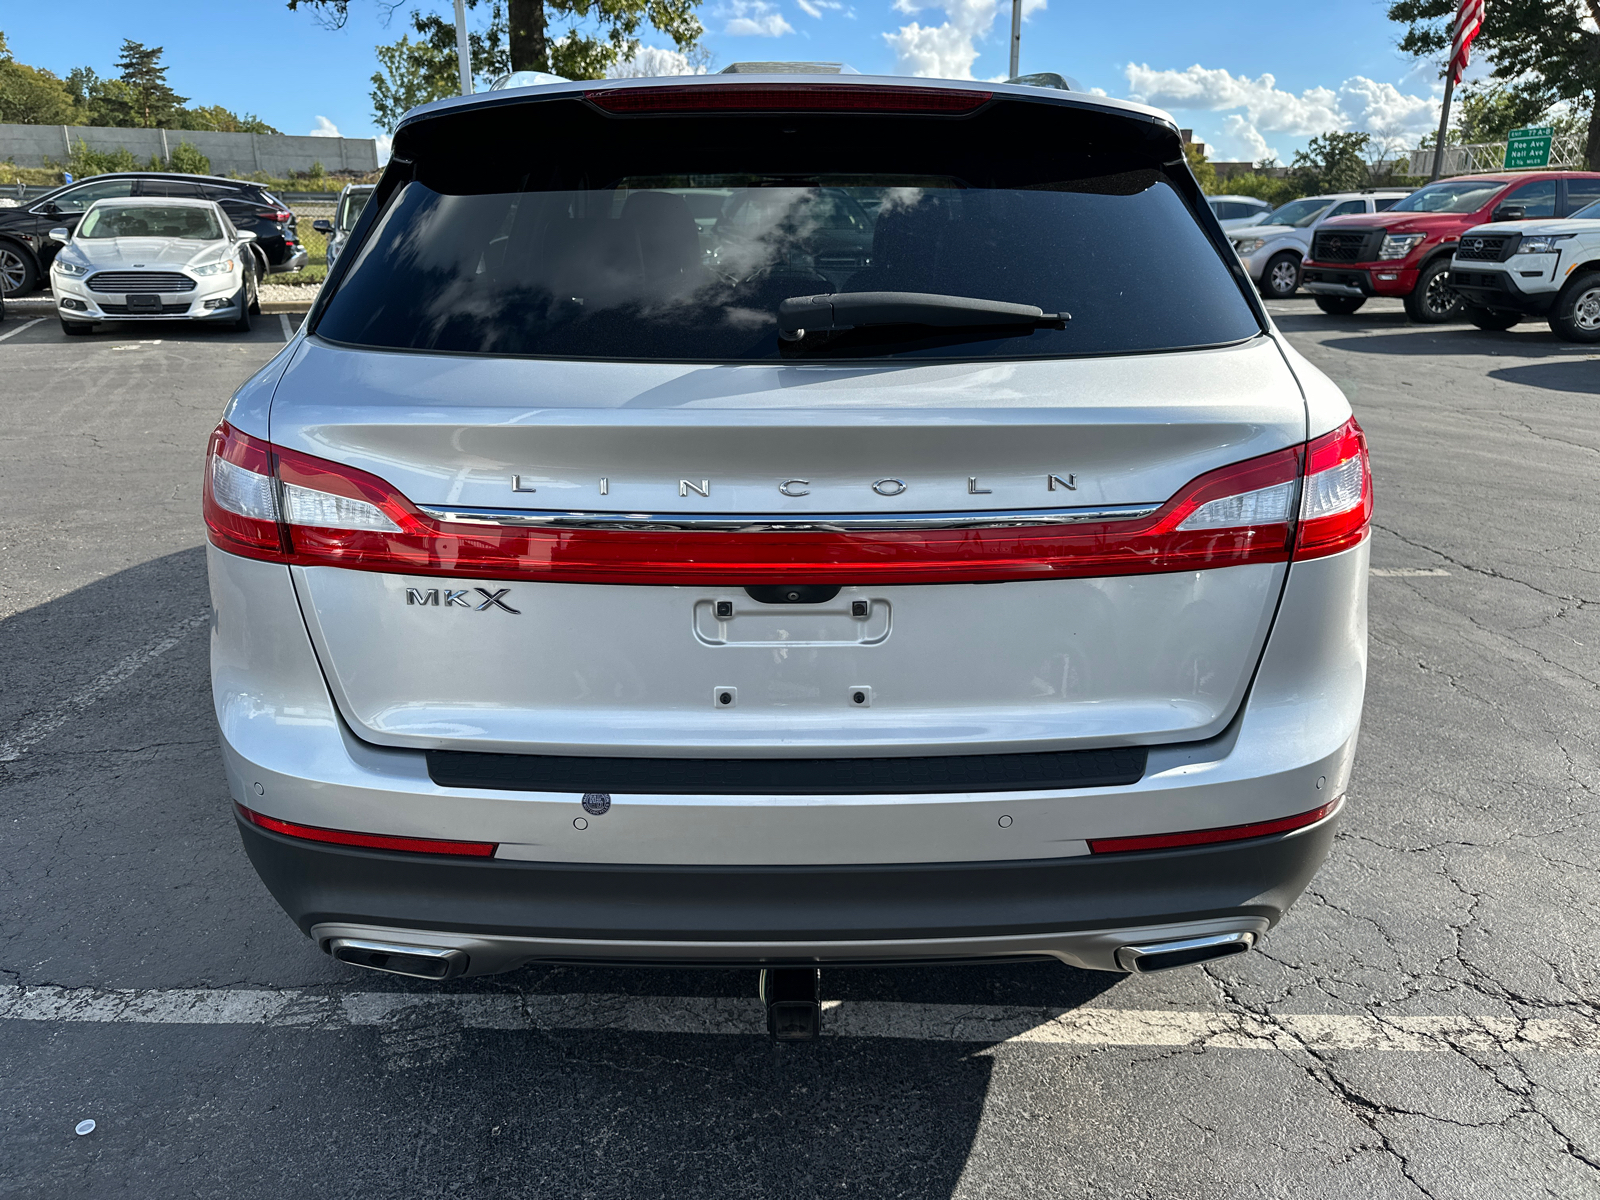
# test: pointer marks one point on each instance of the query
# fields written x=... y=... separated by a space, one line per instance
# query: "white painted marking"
x=288 y=330
x=11 y=333
x=37 y=728
x=1405 y=572
x=293 y=1009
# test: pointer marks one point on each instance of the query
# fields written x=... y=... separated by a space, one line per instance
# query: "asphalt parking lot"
x=1426 y=1022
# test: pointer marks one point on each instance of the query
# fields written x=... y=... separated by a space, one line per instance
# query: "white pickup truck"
x=1549 y=269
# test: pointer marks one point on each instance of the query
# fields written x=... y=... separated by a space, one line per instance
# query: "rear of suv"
x=1406 y=252
x=587 y=592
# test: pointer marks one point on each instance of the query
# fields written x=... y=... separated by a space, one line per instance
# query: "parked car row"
x=26 y=249
x=1489 y=249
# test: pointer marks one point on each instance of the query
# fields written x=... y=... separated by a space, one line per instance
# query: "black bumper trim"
x=1499 y=290
x=319 y=883
x=788 y=776
x=1339 y=275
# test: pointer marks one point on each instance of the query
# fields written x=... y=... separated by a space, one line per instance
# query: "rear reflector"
x=263 y=501
x=1206 y=837
x=786 y=97
x=368 y=841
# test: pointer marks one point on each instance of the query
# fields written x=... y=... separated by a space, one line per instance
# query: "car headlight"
x=1398 y=245
x=1249 y=245
x=215 y=268
x=67 y=268
x=1544 y=243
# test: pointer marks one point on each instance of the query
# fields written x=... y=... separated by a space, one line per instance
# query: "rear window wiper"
x=836 y=312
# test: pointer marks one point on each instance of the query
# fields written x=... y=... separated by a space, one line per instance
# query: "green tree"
x=1542 y=50
x=1332 y=162
x=1204 y=173
x=216 y=119
x=153 y=104
x=412 y=74
x=188 y=160
x=597 y=32
x=29 y=96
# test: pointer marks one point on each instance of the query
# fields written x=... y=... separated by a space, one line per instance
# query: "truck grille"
x=140 y=281
x=1346 y=245
x=122 y=310
x=1488 y=247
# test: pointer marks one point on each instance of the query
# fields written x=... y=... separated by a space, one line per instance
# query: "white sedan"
x=163 y=259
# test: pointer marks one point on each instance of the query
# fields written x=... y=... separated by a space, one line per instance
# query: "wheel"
x=1281 y=279
x=1340 y=306
x=1493 y=319
x=242 y=325
x=1433 y=301
x=18 y=275
x=76 y=328
x=1576 y=316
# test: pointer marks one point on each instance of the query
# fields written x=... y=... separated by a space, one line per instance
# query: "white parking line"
x=288 y=330
x=37 y=728
x=11 y=333
x=294 y=1009
x=1405 y=572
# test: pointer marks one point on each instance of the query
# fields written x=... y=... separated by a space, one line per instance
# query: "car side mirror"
x=60 y=234
x=247 y=235
x=51 y=208
x=322 y=225
x=1509 y=212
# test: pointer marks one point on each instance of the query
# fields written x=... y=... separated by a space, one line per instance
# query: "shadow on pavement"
x=1579 y=375
x=1437 y=341
x=124 y=870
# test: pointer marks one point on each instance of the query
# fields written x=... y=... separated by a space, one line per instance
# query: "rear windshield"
x=589 y=259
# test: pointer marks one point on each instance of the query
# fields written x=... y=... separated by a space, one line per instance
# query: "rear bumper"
x=1078 y=910
x=1492 y=286
x=1371 y=279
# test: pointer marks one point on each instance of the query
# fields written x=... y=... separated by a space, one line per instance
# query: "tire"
x=1281 y=279
x=242 y=325
x=1340 y=306
x=1494 y=320
x=1433 y=301
x=1576 y=316
x=18 y=274
x=259 y=274
x=76 y=328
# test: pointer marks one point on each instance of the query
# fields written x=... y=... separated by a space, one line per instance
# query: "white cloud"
x=1358 y=103
x=813 y=8
x=385 y=148
x=753 y=18
x=946 y=51
x=650 y=61
x=325 y=128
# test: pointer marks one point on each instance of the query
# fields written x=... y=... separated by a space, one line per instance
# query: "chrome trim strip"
x=769 y=523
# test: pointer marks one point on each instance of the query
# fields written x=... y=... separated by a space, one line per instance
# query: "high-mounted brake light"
x=786 y=97
x=368 y=841
x=1208 y=837
x=267 y=502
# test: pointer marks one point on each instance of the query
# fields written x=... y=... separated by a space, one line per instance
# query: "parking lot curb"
x=285 y=306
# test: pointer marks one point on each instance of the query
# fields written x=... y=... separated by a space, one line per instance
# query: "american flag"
x=1469 y=19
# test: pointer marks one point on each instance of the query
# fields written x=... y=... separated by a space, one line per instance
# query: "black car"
x=26 y=248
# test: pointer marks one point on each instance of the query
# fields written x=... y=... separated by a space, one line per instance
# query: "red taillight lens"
x=328 y=514
x=782 y=97
x=1336 y=499
x=369 y=841
x=1206 y=837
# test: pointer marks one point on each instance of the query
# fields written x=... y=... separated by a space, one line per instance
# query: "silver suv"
x=596 y=585
x=1273 y=248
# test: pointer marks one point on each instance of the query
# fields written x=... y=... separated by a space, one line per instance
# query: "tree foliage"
x=416 y=72
x=589 y=35
x=29 y=96
x=1333 y=162
x=1204 y=173
x=151 y=103
x=1543 y=51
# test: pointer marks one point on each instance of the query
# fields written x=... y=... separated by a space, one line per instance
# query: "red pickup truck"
x=1406 y=251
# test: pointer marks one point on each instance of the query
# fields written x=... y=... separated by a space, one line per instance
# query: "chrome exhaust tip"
x=1183 y=952
x=416 y=962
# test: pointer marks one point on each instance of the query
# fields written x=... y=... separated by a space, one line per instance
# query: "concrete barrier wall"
x=230 y=153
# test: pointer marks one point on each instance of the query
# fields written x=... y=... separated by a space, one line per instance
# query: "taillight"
x=323 y=513
x=784 y=97
x=1336 y=499
x=368 y=841
x=1210 y=837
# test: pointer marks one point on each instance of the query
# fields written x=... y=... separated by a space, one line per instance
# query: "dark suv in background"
x=26 y=248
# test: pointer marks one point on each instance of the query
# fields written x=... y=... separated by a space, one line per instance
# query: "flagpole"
x=1449 y=91
x=1016 y=36
x=463 y=54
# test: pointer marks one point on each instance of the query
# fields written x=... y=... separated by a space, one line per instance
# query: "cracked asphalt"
x=1462 y=886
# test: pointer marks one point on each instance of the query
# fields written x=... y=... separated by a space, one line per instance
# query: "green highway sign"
x=1527 y=149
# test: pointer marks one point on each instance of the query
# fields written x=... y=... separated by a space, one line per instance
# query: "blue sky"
x=1249 y=79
